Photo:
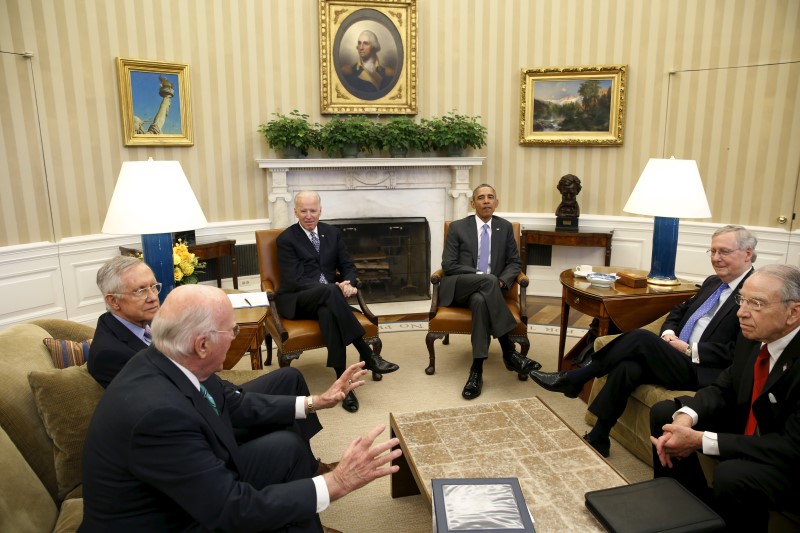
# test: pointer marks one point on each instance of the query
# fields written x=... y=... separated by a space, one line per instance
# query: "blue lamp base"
x=157 y=250
x=665 y=249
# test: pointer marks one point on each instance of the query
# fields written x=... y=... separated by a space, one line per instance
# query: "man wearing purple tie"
x=480 y=260
x=695 y=346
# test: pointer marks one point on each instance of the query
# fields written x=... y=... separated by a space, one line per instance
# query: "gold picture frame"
x=390 y=86
x=156 y=103
x=553 y=112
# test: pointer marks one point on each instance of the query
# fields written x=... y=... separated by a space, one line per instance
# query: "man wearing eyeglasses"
x=695 y=345
x=160 y=452
x=749 y=418
x=131 y=295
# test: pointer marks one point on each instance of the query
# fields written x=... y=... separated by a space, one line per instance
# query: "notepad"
x=241 y=300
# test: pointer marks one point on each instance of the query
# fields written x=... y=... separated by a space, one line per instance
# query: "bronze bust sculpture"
x=568 y=211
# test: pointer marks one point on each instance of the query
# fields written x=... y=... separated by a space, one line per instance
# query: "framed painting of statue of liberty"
x=155 y=102
x=573 y=105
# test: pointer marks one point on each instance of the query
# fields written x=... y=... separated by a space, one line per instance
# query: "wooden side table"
x=629 y=308
x=251 y=322
x=205 y=251
x=551 y=237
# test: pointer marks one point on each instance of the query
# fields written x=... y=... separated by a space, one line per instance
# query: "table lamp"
x=154 y=198
x=668 y=189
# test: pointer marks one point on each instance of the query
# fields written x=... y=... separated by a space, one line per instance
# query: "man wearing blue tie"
x=695 y=346
x=480 y=260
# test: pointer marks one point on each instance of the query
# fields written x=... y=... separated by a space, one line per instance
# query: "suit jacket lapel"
x=472 y=240
x=124 y=334
x=221 y=430
x=785 y=362
x=727 y=307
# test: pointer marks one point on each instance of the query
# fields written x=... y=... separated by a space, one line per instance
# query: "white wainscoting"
x=46 y=280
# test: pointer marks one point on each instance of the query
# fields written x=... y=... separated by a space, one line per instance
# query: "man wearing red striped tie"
x=749 y=418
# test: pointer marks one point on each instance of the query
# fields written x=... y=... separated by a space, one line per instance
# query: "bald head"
x=193 y=326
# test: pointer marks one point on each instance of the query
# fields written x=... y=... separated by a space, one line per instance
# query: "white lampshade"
x=669 y=188
x=153 y=197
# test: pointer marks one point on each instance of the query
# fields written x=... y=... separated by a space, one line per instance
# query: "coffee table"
x=517 y=438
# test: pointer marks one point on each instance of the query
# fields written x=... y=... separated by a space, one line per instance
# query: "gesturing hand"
x=349 y=380
x=362 y=462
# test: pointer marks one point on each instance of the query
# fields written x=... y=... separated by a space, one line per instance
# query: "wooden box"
x=632 y=279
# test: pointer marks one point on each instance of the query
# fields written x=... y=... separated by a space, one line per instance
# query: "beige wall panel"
x=250 y=58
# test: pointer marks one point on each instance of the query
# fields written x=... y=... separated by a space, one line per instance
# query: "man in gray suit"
x=480 y=261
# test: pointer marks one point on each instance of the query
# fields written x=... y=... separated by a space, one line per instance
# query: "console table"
x=549 y=236
x=205 y=251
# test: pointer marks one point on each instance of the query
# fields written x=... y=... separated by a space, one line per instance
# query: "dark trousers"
x=278 y=457
x=490 y=313
x=744 y=491
x=337 y=322
x=635 y=358
x=282 y=382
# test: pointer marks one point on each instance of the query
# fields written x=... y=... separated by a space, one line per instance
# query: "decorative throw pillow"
x=68 y=353
x=66 y=400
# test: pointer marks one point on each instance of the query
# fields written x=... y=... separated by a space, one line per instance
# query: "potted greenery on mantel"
x=291 y=135
x=453 y=133
x=401 y=134
x=348 y=135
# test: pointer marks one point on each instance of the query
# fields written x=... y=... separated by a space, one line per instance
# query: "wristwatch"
x=310 y=404
x=687 y=351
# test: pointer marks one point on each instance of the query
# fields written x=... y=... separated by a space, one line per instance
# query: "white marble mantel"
x=436 y=188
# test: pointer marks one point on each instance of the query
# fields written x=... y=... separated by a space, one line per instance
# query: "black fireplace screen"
x=392 y=256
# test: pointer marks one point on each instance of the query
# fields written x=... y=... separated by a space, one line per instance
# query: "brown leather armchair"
x=293 y=337
x=443 y=321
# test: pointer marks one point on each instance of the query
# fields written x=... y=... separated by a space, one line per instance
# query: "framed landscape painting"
x=368 y=54
x=573 y=105
x=155 y=102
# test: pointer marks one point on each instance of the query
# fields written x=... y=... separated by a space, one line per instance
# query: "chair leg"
x=446 y=339
x=430 y=338
x=268 y=342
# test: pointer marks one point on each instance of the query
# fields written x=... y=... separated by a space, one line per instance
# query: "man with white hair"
x=367 y=74
x=160 y=453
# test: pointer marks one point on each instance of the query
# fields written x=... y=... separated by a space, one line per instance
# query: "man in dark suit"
x=480 y=260
x=695 y=345
x=749 y=417
x=309 y=255
x=131 y=295
x=160 y=453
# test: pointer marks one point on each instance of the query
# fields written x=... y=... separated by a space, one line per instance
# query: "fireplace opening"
x=392 y=256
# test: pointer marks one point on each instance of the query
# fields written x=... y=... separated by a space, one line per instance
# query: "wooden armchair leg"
x=430 y=338
x=268 y=342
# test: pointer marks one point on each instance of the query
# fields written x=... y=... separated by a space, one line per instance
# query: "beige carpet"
x=371 y=509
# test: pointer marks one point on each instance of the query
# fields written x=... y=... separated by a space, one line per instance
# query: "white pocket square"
x=772 y=398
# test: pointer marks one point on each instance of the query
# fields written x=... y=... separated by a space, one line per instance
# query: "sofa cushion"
x=66 y=400
x=25 y=504
x=67 y=353
x=22 y=351
x=70 y=517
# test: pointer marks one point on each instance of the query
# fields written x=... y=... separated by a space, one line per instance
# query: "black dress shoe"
x=516 y=362
x=603 y=446
x=473 y=387
x=350 y=403
x=556 y=382
x=379 y=365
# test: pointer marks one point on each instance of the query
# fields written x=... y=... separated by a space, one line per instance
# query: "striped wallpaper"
x=712 y=80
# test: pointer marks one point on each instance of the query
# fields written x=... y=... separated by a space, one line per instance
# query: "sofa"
x=44 y=414
x=633 y=428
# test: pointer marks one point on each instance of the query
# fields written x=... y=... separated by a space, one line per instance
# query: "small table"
x=629 y=308
x=551 y=237
x=205 y=251
x=517 y=438
x=252 y=322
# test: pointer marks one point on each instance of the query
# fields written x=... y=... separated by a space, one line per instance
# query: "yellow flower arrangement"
x=186 y=264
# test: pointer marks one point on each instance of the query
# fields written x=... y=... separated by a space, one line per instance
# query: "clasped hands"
x=347 y=289
x=349 y=380
x=679 y=440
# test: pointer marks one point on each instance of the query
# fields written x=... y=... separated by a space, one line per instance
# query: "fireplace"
x=392 y=256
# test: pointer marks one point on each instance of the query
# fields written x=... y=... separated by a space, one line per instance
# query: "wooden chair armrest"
x=437 y=276
x=276 y=316
x=523 y=281
x=363 y=304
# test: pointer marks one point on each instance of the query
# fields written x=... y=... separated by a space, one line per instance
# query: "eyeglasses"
x=753 y=304
x=142 y=293
x=723 y=252
x=234 y=330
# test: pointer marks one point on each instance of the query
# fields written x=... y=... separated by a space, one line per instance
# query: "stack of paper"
x=240 y=300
